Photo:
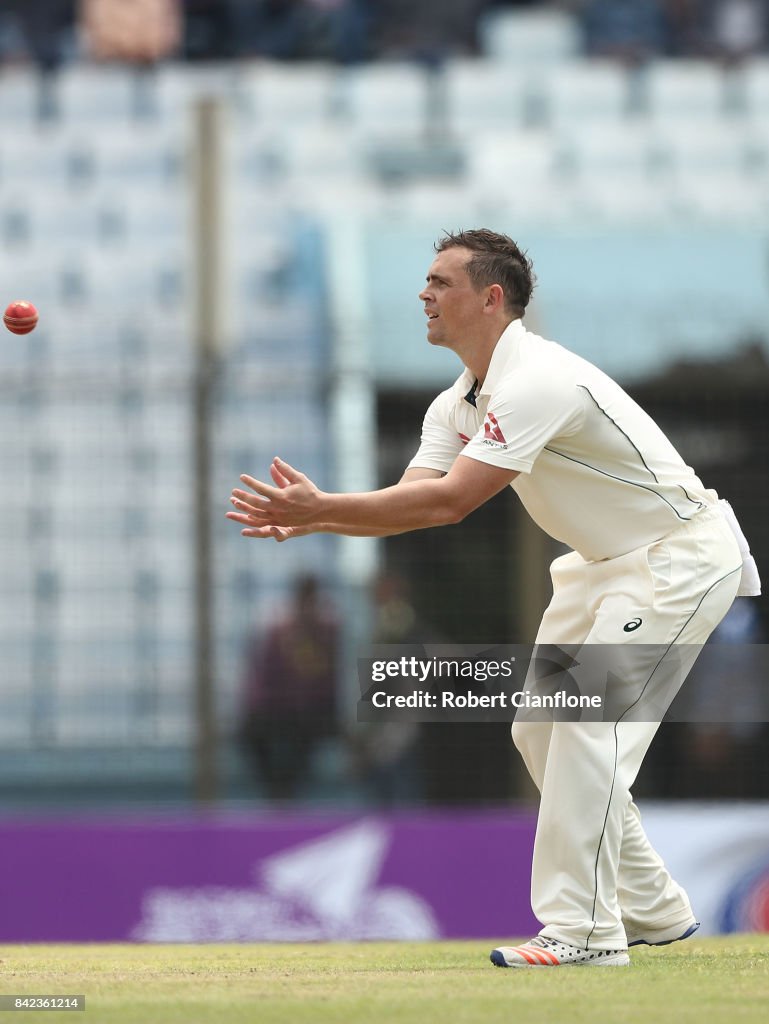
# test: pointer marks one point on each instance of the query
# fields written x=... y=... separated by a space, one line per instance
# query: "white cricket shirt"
x=596 y=472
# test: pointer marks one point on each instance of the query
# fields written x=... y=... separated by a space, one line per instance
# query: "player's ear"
x=495 y=298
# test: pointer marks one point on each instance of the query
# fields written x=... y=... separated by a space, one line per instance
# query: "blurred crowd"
x=54 y=32
x=635 y=30
x=288 y=716
x=288 y=722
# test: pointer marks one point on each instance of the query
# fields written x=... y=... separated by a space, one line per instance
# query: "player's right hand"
x=277 y=533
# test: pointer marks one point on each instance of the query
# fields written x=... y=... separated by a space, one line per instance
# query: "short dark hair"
x=496 y=259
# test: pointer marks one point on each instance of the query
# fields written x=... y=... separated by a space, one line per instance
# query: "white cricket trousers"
x=594 y=871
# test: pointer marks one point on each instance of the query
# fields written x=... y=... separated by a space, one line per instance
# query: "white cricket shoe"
x=543 y=952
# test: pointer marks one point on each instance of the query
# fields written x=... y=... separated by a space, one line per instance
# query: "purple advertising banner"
x=266 y=877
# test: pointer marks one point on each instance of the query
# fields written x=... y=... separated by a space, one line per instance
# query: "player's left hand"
x=293 y=501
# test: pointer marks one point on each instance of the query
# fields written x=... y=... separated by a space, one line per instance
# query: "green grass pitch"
x=703 y=982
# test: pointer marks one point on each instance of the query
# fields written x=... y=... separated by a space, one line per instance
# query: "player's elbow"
x=452 y=517
x=443 y=514
x=456 y=508
x=449 y=502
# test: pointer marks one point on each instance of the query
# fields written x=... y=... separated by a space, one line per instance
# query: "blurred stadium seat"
x=530 y=38
x=19 y=96
x=710 y=169
x=581 y=93
x=301 y=165
x=173 y=89
x=597 y=151
x=275 y=94
x=102 y=95
x=386 y=99
x=480 y=95
x=137 y=158
x=614 y=168
x=428 y=200
x=684 y=90
x=106 y=218
x=522 y=164
x=709 y=149
x=44 y=155
x=753 y=92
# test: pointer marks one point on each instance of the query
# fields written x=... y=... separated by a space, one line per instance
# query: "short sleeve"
x=440 y=443
x=523 y=416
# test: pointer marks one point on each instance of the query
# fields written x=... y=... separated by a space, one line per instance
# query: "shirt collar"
x=505 y=351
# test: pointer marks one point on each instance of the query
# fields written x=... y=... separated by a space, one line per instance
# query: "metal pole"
x=207 y=291
x=353 y=431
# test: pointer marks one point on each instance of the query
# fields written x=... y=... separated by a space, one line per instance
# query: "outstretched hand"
x=280 y=512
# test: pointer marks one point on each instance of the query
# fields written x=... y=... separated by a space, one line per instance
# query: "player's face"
x=453 y=306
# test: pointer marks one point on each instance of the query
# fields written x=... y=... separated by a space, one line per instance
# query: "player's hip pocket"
x=566 y=567
x=692 y=578
x=659 y=563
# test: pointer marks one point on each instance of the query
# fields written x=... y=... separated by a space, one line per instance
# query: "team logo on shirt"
x=632 y=626
x=492 y=430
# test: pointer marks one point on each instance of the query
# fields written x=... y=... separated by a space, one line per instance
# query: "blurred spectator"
x=289 y=692
x=38 y=30
x=718 y=745
x=632 y=31
x=387 y=755
x=341 y=26
x=135 y=31
x=685 y=27
x=426 y=32
x=349 y=31
x=209 y=30
x=268 y=28
x=728 y=736
x=335 y=30
x=737 y=28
